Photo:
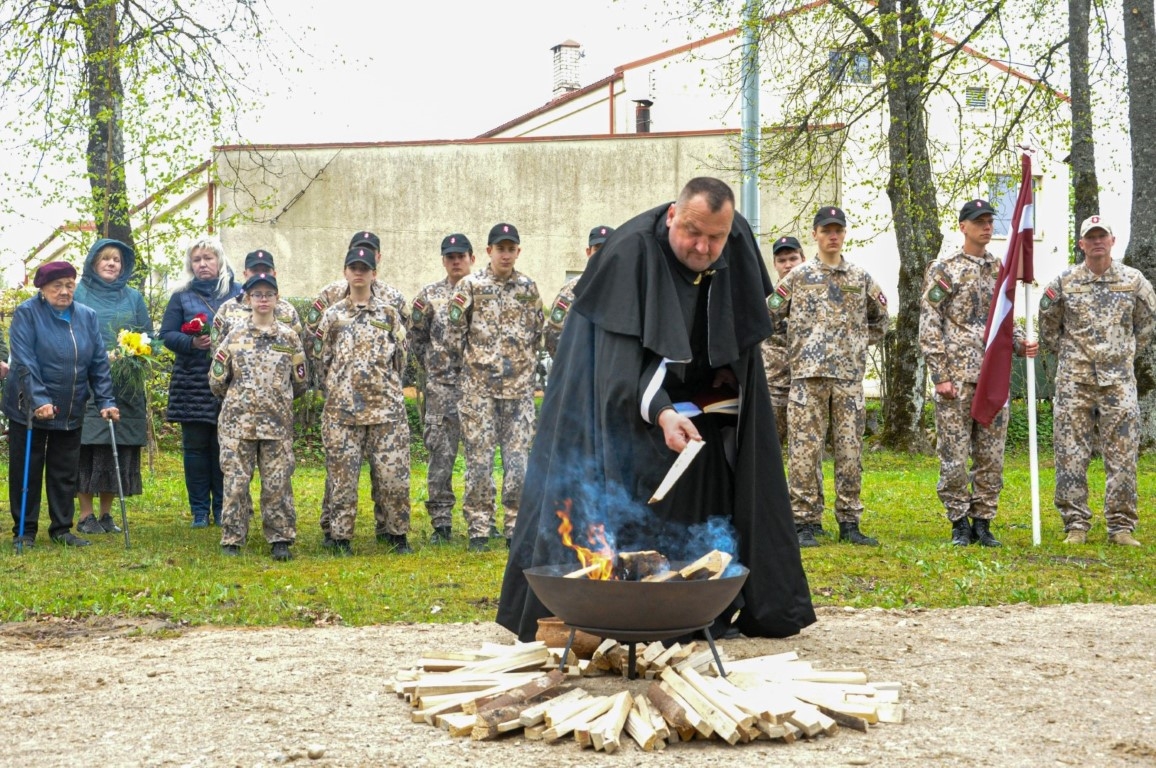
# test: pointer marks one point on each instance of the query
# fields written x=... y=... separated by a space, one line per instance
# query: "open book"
x=722 y=399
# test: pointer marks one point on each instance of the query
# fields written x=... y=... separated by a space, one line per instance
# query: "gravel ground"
x=1006 y=686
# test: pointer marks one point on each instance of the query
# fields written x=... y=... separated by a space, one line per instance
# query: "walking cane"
x=119 y=483
x=27 y=459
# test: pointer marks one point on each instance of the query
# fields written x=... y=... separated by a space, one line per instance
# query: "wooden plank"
x=639 y=727
x=765 y=703
x=847 y=721
x=607 y=735
x=890 y=713
x=724 y=726
x=536 y=713
x=647 y=710
x=457 y=723
x=718 y=699
x=595 y=708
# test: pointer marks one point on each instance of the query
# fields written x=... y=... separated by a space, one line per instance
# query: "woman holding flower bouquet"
x=120 y=310
x=185 y=330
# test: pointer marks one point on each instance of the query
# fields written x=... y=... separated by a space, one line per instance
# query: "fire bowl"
x=634 y=610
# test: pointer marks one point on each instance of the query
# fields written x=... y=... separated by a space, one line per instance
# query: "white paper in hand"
x=676 y=469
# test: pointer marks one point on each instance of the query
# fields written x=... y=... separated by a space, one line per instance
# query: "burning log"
x=636 y=566
x=584 y=573
x=665 y=576
x=709 y=566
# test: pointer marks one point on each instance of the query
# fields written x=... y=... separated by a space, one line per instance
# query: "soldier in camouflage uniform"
x=786 y=254
x=1095 y=317
x=833 y=311
x=330 y=295
x=957 y=293
x=442 y=362
x=258 y=369
x=496 y=317
x=359 y=348
x=556 y=317
x=238 y=310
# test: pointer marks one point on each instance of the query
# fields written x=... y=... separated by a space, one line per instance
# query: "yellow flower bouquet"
x=133 y=360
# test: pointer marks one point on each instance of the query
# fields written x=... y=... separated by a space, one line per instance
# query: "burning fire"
x=603 y=556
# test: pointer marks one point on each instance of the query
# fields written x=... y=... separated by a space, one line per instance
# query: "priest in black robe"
x=670 y=311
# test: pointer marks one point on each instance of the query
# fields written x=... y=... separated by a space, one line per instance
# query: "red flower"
x=198 y=326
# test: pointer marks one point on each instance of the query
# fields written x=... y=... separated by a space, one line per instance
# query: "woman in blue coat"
x=104 y=287
x=185 y=330
x=58 y=357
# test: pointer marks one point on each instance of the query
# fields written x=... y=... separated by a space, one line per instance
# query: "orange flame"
x=603 y=556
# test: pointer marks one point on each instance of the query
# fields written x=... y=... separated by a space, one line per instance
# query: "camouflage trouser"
x=489 y=423
x=779 y=399
x=386 y=446
x=959 y=436
x=813 y=400
x=442 y=433
x=275 y=460
x=1076 y=408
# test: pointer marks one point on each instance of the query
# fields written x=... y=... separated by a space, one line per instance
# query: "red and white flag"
x=994 y=385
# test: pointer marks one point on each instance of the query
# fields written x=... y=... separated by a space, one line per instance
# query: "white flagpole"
x=1033 y=453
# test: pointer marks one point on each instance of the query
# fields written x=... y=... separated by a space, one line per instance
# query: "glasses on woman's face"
x=262 y=296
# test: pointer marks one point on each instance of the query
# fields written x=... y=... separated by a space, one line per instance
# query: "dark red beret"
x=53 y=270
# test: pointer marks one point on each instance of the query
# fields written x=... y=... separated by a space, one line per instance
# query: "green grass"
x=176 y=573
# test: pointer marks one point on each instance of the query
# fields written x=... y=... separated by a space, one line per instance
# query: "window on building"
x=976 y=97
x=849 y=67
x=1002 y=194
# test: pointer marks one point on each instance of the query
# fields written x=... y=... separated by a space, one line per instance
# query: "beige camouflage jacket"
x=429 y=338
x=829 y=316
x=556 y=317
x=775 y=361
x=498 y=325
x=1096 y=323
x=258 y=372
x=957 y=291
x=336 y=291
x=360 y=361
x=237 y=311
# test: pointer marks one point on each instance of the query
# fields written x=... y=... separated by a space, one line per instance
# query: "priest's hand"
x=677 y=429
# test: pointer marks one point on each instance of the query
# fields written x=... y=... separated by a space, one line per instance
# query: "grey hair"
x=224 y=272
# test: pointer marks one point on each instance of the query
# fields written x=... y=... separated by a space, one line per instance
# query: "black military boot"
x=817 y=529
x=806 y=535
x=397 y=543
x=961 y=533
x=850 y=532
x=983 y=537
x=441 y=535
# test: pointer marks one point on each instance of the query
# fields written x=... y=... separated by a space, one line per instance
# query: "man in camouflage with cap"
x=238 y=310
x=556 y=317
x=1095 y=317
x=330 y=295
x=957 y=292
x=360 y=360
x=258 y=370
x=786 y=254
x=442 y=362
x=832 y=311
x=496 y=317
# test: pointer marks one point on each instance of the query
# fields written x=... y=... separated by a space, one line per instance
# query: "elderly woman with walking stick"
x=57 y=358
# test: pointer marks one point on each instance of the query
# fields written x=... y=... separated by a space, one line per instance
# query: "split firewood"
x=565 y=710
x=664 y=576
x=440 y=685
x=531 y=658
x=808 y=719
x=671 y=711
x=663 y=659
x=745 y=721
x=709 y=566
x=646 y=659
x=501 y=708
x=648 y=711
x=720 y=723
x=583 y=573
x=618 y=658
x=845 y=720
x=607 y=735
x=640 y=728
x=700 y=661
x=595 y=708
x=889 y=713
x=457 y=723
x=534 y=732
x=536 y=713
x=810 y=695
x=599 y=660
x=635 y=566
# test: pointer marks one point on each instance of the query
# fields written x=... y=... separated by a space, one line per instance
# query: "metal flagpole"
x=1033 y=452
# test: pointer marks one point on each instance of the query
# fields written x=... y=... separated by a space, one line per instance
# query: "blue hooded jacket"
x=118 y=307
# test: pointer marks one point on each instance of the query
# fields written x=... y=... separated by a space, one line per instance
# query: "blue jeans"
x=203 y=479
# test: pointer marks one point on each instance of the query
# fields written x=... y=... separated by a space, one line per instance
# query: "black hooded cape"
x=594 y=448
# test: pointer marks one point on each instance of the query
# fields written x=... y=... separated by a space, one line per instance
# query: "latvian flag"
x=994 y=385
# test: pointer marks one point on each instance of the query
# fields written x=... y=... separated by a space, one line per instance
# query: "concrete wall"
x=312 y=199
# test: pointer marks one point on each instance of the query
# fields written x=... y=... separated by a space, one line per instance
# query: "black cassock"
x=643 y=331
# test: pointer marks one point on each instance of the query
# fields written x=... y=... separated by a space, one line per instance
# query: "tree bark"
x=1140 y=44
x=105 y=92
x=911 y=189
x=1085 y=187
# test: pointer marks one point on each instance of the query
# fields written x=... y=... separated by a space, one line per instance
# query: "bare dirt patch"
x=1007 y=686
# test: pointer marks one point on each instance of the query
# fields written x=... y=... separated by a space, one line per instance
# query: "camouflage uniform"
x=330 y=295
x=556 y=317
x=442 y=361
x=832 y=314
x=1095 y=324
x=258 y=372
x=778 y=374
x=498 y=324
x=360 y=358
x=957 y=292
x=237 y=311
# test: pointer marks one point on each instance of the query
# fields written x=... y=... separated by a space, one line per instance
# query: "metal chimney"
x=566 y=57
x=642 y=115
